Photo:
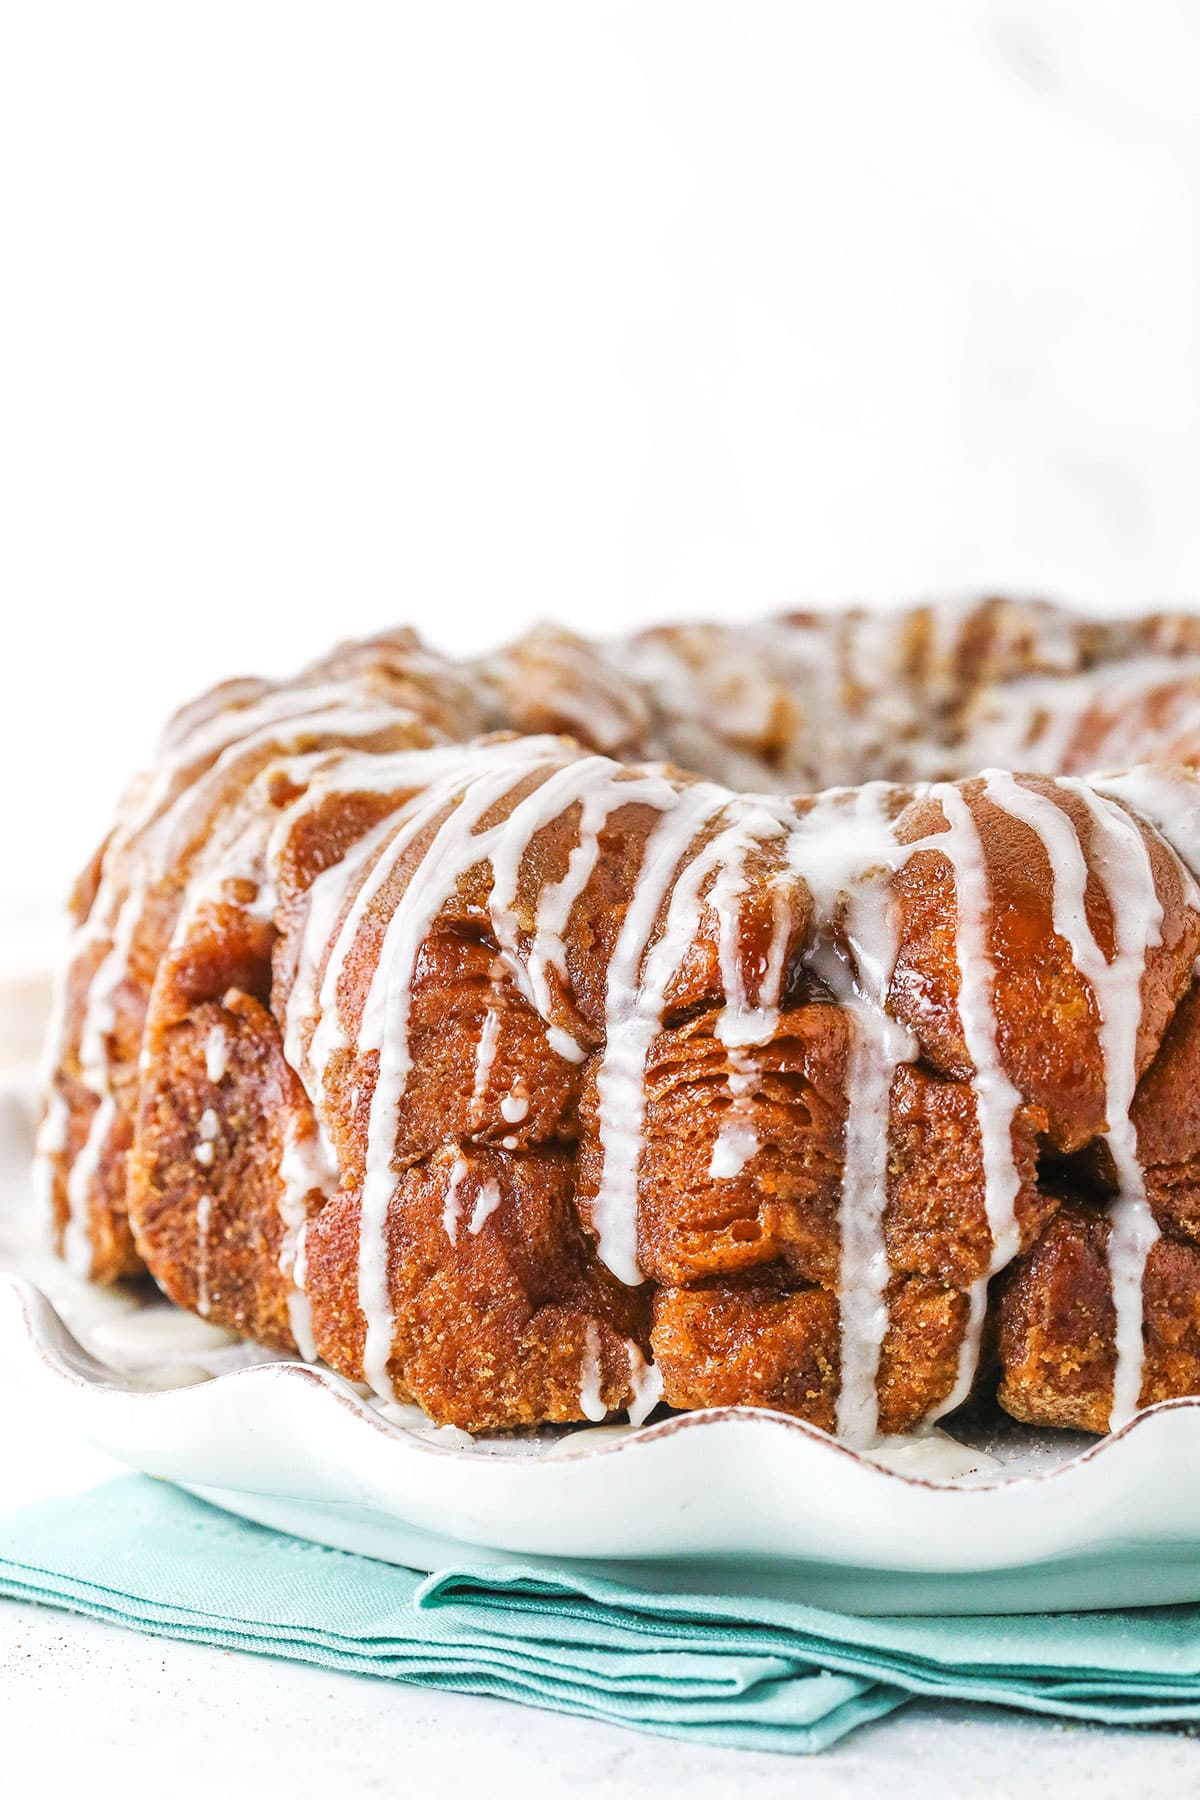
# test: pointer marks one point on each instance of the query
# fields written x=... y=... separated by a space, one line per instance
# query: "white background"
x=318 y=318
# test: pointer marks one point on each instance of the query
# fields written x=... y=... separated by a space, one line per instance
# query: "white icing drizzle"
x=1043 y=723
x=442 y=777
x=877 y=1047
x=300 y=1314
x=739 y=1022
x=728 y=690
x=486 y=1202
x=304 y=1166
x=307 y=1003
x=564 y=1045
x=300 y=1319
x=635 y=997
x=455 y=848
x=203 y=1227
x=645 y=1379
x=216 y=1053
x=1167 y=799
x=1122 y=861
x=329 y=1034
x=209 y=1128
x=234 y=729
x=846 y=850
x=485 y=1053
x=599 y=787
x=996 y=1099
x=54 y=1126
x=451 y=1206
x=469 y=784
x=591 y=1400
x=733 y=1149
x=152 y=826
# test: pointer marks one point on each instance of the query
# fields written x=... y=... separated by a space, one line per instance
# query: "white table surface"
x=90 y=1710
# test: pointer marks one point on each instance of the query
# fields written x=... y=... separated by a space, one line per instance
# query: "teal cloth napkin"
x=742 y=1672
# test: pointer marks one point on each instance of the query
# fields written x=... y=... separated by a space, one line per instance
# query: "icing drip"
x=304 y=1167
x=203 y=1226
x=299 y=1305
x=638 y=980
x=1124 y=867
x=312 y=1000
x=564 y=1045
x=1169 y=801
x=301 y=1322
x=845 y=849
x=645 y=1378
x=591 y=1400
x=485 y=1055
x=329 y=1034
x=456 y=847
x=442 y=777
x=452 y=1208
x=735 y=1146
x=486 y=1202
x=737 y=1140
x=599 y=787
x=740 y=1023
x=468 y=782
x=50 y=1142
x=233 y=729
x=877 y=1047
x=216 y=1054
x=996 y=1099
x=77 y=1248
x=1121 y=860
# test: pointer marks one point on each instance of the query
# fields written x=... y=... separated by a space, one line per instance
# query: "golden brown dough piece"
x=1057 y=1325
x=532 y=1076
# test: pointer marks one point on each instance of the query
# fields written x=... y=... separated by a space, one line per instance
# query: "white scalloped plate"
x=737 y=1500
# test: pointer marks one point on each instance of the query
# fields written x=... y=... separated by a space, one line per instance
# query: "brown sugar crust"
x=522 y=1074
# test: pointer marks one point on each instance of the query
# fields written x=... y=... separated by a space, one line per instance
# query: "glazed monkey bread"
x=687 y=1017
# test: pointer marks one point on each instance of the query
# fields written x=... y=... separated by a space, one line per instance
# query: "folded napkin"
x=742 y=1672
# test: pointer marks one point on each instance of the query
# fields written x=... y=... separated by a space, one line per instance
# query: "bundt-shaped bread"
x=537 y=1037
